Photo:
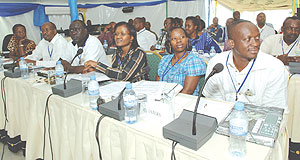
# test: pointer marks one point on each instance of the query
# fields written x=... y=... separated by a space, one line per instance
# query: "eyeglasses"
x=75 y=29
x=121 y=34
x=296 y=29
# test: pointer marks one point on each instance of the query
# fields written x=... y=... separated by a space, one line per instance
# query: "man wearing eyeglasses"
x=91 y=46
x=49 y=49
x=286 y=46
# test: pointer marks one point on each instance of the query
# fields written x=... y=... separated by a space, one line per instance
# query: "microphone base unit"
x=110 y=109
x=11 y=74
x=180 y=130
x=73 y=87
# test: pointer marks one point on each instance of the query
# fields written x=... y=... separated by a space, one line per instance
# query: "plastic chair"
x=153 y=62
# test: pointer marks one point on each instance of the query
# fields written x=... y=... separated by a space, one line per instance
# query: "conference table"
x=73 y=128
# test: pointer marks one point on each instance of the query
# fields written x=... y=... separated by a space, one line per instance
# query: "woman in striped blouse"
x=129 y=63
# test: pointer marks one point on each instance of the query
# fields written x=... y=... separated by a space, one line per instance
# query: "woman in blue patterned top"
x=201 y=40
x=181 y=67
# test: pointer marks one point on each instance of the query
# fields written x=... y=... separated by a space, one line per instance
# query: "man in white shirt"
x=285 y=46
x=249 y=75
x=91 y=46
x=144 y=37
x=50 y=48
x=264 y=30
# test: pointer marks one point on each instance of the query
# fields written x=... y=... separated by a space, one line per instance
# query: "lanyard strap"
x=50 y=53
x=79 y=57
x=167 y=70
x=237 y=91
x=290 y=49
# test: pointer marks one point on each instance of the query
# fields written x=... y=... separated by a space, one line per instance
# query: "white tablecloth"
x=73 y=126
x=294 y=107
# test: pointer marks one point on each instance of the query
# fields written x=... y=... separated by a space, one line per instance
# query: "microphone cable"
x=3 y=94
x=97 y=133
x=173 y=150
x=47 y=112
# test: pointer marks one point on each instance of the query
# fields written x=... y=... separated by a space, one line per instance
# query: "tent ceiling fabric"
x=65 y=2
x=257 y=5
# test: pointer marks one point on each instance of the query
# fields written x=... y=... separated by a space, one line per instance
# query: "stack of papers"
x=86 y=77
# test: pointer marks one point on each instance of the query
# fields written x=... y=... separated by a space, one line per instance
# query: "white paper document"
x=218 y=109
x=86 y=77
x=112 y=89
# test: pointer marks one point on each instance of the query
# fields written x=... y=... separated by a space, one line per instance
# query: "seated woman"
x=19 y=45
x=181 y=67
x=129 y=63
x=201 y=40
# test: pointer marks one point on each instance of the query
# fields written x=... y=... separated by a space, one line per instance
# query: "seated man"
x=216 y=30
x=18 y=44
x=107 y=34
x=92 y=48
x=249 y=75
x=50 y=48
x=285 y=46
x=144 y=37
x=264 y=29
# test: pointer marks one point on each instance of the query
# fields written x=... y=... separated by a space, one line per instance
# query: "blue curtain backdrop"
x=13 y=9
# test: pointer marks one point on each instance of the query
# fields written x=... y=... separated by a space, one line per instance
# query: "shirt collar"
x=256 y=66
x=142 y=30
x=54 y=39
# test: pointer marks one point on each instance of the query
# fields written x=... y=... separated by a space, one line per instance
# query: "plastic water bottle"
x=238 y=128
x=93 y=91
x=194 y=50
x=130 y=104
x=1 y=65
x=212 y=51
x=105 y=45
x=24 y=68
x=59 y=73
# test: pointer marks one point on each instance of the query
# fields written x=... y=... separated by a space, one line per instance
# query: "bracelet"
x=21 y=45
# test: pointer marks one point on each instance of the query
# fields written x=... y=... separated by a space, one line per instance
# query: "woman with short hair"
x=19 y=45
x=129 y=63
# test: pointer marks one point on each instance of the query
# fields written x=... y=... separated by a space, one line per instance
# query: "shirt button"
x=239 y=83
x=240 y=93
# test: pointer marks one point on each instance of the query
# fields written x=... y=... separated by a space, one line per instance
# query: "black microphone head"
x=218 y=67
x=79 y=52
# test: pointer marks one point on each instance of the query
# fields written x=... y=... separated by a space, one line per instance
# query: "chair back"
x=153 y=62
x=5 y=42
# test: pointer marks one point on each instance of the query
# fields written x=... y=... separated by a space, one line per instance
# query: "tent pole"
x=167 y=8
x=73 y=10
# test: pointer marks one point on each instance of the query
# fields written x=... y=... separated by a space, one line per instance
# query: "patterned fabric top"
x=28 y=47
x=192 y=65
x=204 y=42
x=133 y=67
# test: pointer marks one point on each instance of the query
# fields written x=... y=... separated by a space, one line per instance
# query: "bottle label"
x=129 y=101
x=94 y=92
x=238 y=127
x=59 y=72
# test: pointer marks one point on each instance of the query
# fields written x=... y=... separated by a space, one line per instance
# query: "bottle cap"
x=92 y=77
x=58 y=62
x=239 y=106
x=128 y=86
x=22 y=58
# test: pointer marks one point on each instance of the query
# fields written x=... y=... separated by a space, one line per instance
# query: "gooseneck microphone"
x=217 y=69
x=79 y=52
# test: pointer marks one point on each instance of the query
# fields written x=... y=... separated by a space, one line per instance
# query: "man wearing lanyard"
x=286 y=46
x=49 y=49
x=249 y=75
x=144 y=37
x=92 y=48
x=265 y=30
